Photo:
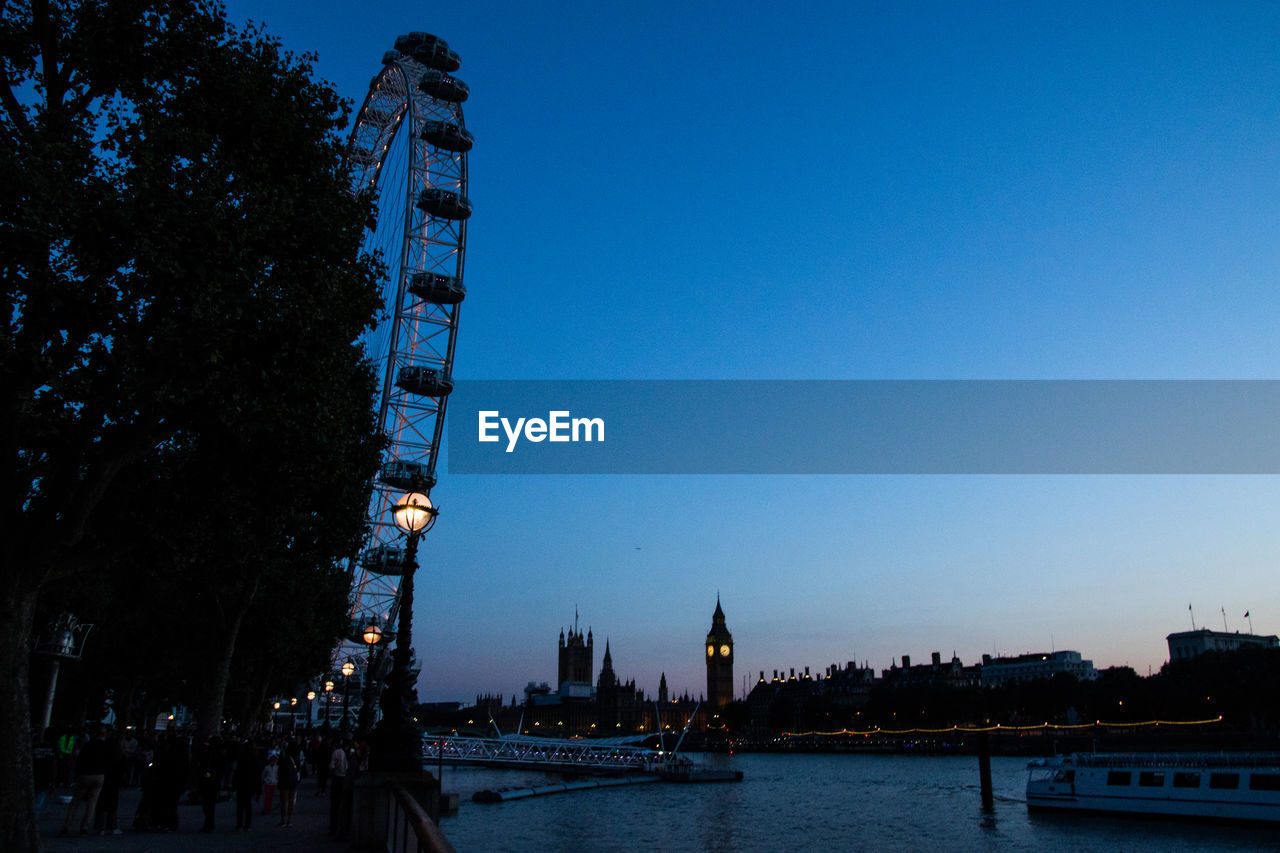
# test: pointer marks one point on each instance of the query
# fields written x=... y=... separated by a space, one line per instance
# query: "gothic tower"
x=719 y=661
x=576 y=655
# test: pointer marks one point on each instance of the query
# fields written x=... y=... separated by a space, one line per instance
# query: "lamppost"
x=371 y=634
x=311 y=696
x=293 y=709
x=348 y=669
x=64 y=641
x=328 y=700
x=275 y=716
x=397 y=745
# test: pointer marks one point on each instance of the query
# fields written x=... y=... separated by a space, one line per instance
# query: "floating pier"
x=504 y=794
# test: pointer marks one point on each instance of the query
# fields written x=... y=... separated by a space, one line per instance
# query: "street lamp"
x=293 y=707
x=328 y=700
x=275 y=716
x=311 y=696
x=372 y=635
x=348 y=669
x=63 y=641
x=398 y=746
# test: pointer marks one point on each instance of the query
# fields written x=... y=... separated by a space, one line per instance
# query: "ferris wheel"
x=408 y=145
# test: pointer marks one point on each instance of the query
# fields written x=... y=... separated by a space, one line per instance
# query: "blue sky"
x=847 y=191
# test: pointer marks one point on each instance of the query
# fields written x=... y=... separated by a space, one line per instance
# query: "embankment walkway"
x=310 y=831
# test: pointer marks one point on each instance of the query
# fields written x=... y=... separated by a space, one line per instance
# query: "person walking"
x=91 y=767
x=247 y=780
x=321 y=748
x=270 y=778
x=337 y=766
x=208 y=779
x=104 y=818
x=66 y=746
x=289 y=778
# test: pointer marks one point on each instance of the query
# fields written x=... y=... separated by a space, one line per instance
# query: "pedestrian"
x=104 y=819
x=208 y=778
x=289 y=778
x=167 y=780
x=270 y=778
x=91 y=765
x=321 y=748
x=357 y=764
x=129 y=751
x=66 y=747
x=247 y=781
x=337 y=767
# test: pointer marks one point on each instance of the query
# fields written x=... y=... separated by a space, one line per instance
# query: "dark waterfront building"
x=1029 y=667
x=1188 y=644
x=952 y=673
x=719 y=662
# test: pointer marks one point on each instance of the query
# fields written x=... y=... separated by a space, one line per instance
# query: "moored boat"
x=1221 y=786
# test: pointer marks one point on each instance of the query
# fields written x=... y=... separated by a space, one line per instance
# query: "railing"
x=409 y=828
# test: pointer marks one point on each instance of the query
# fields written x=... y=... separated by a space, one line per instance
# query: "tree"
x=178 y=243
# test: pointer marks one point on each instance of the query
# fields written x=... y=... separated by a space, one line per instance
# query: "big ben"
x=719 y=661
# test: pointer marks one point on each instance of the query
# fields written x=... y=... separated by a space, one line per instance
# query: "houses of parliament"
x=613 y=707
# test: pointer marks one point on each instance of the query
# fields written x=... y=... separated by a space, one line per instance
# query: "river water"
x=811 y=802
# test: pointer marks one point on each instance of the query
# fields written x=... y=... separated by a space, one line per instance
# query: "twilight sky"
x=855 y=190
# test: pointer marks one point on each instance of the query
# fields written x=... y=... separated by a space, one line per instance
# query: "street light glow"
x=414 y=513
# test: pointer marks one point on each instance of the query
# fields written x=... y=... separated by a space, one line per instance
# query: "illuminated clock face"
x=711 y=650
x=724 y=651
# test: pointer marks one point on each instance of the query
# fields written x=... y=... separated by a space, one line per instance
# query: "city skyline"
x=848 y=192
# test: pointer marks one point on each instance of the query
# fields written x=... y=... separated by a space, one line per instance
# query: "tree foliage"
x=186 y=416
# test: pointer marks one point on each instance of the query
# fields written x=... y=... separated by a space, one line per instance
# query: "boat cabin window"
x=1067 y=776
x=1230 y=781
x=1264 y=782
x=1186 y=780
x=1119 y=777
x=1151 y=779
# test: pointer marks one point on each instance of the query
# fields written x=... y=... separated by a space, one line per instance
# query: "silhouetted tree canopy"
x=186 y=414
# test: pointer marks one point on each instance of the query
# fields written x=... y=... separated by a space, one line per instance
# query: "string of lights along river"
x=811 y=802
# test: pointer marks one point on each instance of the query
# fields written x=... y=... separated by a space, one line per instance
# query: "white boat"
x=1223 y=786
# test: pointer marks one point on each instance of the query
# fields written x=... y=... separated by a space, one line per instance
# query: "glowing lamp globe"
x=328 y=687
x=348 y=669
x=414 y=513
x=372 y=634
x=311 y=695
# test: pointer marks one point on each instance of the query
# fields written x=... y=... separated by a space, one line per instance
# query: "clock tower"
x=719 y=651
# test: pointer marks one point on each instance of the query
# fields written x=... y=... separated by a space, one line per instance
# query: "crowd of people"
x=253 y=775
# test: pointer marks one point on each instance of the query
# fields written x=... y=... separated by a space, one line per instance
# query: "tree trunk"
x=255 y=701
x=214 y=692
x=18 y=832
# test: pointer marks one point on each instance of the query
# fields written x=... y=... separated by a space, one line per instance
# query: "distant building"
x=576 y=658
x=719 y=662
x=1188 y=644
x=951 y=673
x=1029 y=667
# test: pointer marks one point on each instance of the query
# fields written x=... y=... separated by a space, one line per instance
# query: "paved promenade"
x=310 y=829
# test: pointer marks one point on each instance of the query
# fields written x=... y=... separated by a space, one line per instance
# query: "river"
x=811 y=802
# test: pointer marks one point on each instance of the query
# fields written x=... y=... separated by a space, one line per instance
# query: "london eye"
x=409 y=147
